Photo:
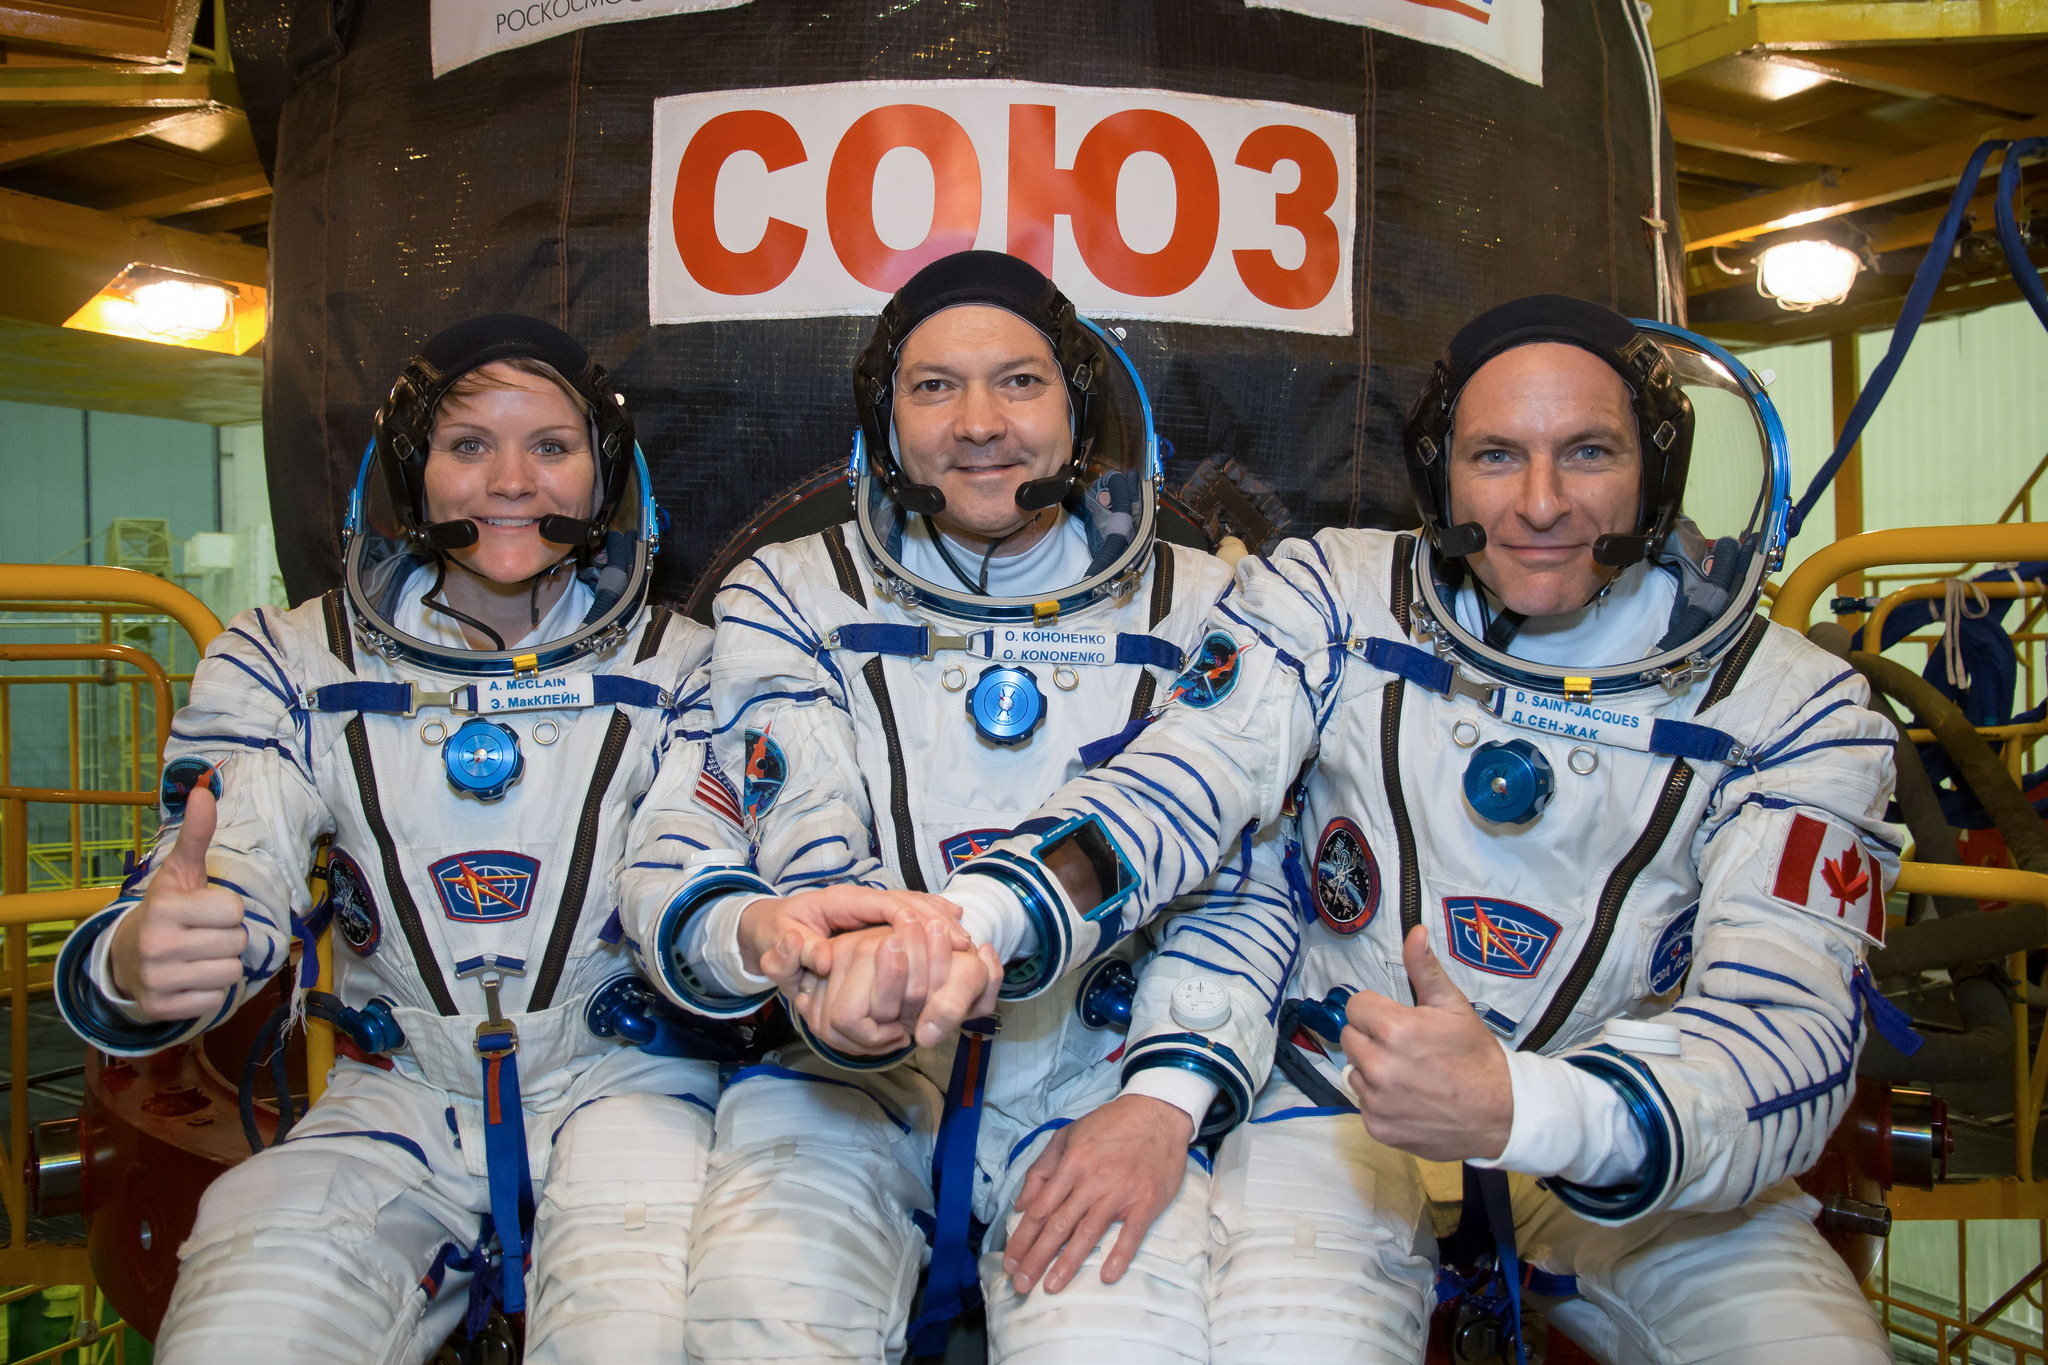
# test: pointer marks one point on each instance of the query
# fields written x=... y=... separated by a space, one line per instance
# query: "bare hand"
x=882 y=993
x=179 y=953
x=780 y=937
x=1122 y=1163
x=1430 y=1077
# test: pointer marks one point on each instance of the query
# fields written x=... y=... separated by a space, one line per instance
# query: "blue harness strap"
x=954 y=1285
x=1151 y=651
x=921 y=642
x=881 y=637
x=508 y=1174
x=1500 y=1222
x=389 y=698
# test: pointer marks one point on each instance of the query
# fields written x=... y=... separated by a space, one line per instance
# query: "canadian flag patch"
x=1825 y=869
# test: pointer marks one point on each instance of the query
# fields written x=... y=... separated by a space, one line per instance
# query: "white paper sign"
x=818 y=200
x=1503 y=33
x=464 y=30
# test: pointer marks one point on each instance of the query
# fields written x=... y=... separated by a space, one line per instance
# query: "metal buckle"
x=417 y=697
x=495 y=1023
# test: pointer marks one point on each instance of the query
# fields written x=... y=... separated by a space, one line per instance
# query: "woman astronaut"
x=471 y=720
x=1593 y=853
x=897 y=693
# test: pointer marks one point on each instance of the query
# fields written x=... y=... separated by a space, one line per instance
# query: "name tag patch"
x=559 y=692
x=1591 y=722
x=1498 y=936
x=1023 y=645
x=485 y=887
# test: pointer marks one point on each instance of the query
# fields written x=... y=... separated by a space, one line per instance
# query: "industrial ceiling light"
x=150 y=303
x=1807 y=274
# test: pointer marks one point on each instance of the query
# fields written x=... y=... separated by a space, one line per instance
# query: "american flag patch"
x=1824 y=868
x=716 y=794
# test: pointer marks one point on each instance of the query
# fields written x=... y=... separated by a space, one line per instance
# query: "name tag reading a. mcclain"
x=1025 y=645
x=563 y=692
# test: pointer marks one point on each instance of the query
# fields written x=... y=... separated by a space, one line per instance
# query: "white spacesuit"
x=478 y=803
x=1646 y=841
x=886 y=715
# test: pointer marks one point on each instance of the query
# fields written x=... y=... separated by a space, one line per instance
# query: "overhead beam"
x=60 y=86
x=1878 y=314
x=1693 y=128
x=85 y=136
x=157 y=33
x=1922 y=80
x=1690 y=34
x=1882 y=182
x=243 y=182
x=74 y=231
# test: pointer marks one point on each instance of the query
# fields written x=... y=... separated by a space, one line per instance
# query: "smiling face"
x=980 y=410
x=1546 y=457
x=504 y=453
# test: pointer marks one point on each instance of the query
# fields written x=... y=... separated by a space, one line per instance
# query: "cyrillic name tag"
x=1589 y=722
x=495 y=695
x=1024 y=645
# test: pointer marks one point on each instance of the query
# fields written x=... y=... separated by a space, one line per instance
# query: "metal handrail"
x=1906 y=545
x=159 y=681
x=101 y=583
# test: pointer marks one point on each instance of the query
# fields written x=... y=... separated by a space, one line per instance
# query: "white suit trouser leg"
x=611 y=1237
x=314 y=1251
x=1156 y=1314
x=1755 y=1285
x=804 y=1248
x=1324 y=1252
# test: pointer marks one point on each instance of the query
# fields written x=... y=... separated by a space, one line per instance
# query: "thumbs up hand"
x=1430 y=1077
x=179 y=953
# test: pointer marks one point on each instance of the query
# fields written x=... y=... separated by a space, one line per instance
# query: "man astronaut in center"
x=895 y=695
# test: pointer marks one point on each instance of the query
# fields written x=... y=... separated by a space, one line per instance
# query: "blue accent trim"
x=848 y=1061
x=1032 y=886
x=1664 y=1148
x=1017 y=1149
x=667 y=937
x=91 y=1015
x=1418 y=666
x=1303 y=1111
x=879 y=637
x=398 y=1140
x=1203 y=1057
x=769 y=1071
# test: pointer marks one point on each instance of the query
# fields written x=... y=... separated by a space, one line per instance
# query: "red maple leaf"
x=1846 y=879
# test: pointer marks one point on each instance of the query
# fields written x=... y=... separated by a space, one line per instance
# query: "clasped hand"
x=868 y=970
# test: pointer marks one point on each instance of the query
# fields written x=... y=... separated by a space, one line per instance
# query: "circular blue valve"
x=1106 y=995
x=619 y=1009
x=1509 y=783
x=1325 y=1017
x=1005 y=704
x=482 y=758
x=376 y=1030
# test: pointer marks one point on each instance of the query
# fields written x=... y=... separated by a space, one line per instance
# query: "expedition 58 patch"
x=1347 y=878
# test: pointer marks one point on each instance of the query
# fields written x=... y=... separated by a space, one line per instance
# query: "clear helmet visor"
x=1114 y=501
x=1683 y=607
x=380 y=560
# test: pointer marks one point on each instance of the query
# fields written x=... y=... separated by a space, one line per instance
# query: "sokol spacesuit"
x=890 y=702
x=1644 y=836
x=478 y=801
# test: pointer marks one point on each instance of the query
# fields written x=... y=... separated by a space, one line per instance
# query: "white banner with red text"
x=812 y=201
x=1503 y=33
x=464 y=30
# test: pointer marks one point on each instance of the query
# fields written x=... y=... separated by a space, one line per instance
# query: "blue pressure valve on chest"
x=1509 y=782
x=1005 y=704
x=483 y=758
x=1107 y=993
x=1325 y=1017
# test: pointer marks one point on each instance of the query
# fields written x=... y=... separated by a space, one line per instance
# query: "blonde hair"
x=479 y=380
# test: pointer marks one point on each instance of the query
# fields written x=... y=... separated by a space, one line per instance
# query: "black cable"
x=939 y=544
x=441 y=577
